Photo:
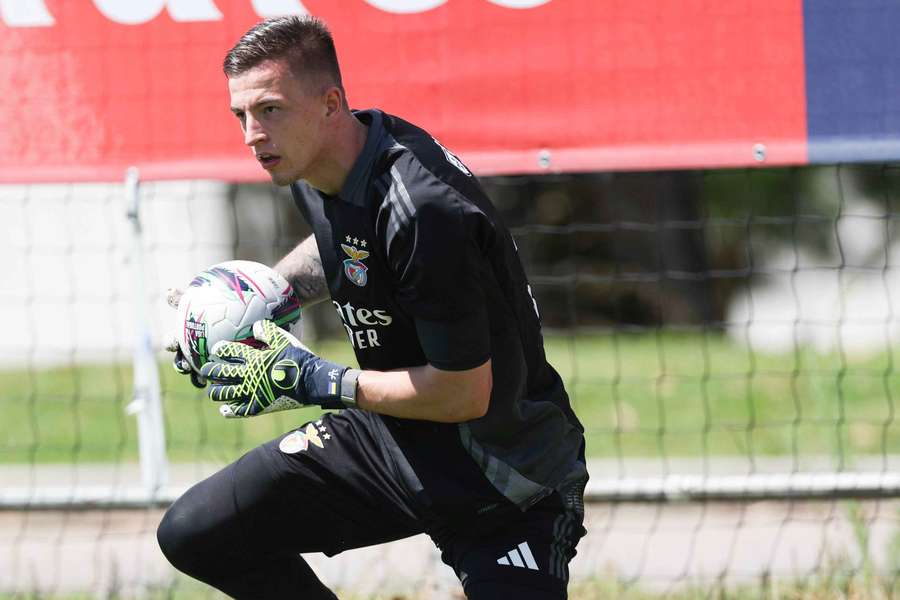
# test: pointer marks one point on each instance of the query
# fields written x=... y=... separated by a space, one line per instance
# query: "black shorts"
x=330 y=486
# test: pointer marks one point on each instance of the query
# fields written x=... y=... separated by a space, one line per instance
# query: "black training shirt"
x=421 y=270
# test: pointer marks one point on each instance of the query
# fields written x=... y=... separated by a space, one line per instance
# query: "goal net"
x=726 y=337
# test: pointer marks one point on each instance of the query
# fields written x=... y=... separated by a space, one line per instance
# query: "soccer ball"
x=224 y=301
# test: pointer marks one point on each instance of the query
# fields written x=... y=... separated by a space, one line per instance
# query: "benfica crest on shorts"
x=300 y=441
x=354 y=269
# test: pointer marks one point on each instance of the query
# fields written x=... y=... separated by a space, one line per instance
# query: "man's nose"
x=253 y=132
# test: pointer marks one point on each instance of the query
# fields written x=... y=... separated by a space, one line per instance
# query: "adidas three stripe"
x=515 y=557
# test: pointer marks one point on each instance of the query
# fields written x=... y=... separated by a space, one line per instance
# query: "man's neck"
x=349 y=141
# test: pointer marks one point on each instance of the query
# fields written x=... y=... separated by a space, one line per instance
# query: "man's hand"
x=283 y=376
x=179 y=362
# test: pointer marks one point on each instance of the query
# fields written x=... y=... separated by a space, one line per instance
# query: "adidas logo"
x=519 y=557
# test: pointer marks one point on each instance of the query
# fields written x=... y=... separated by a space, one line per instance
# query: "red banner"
x=90 y=87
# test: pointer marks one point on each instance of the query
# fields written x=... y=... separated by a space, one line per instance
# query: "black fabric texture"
x=458 y=345
x=547 y=532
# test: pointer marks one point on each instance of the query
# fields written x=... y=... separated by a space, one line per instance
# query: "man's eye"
x=270 y=109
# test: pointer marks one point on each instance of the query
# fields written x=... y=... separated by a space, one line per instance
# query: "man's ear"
x=334 y=100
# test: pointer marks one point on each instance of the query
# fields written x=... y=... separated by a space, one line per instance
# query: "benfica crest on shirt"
x=354 y=269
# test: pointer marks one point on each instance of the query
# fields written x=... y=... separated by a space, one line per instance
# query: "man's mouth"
x=267 y=160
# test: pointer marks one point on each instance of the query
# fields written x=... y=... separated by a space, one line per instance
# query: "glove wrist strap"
x=338 y=391
x=348 y=388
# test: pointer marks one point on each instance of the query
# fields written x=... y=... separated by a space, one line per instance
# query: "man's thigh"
x=334 y=471
x=310 y=490
x=523 y=556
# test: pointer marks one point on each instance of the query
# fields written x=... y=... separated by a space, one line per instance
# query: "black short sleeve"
x=434 y=247
x=456 y=346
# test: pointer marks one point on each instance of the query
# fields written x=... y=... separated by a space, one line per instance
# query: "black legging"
x=221 y=533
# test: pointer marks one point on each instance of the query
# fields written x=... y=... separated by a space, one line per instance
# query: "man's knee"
x=174 y=538
x=186 y=538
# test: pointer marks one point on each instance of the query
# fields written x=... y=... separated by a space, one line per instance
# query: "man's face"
x=282 y=119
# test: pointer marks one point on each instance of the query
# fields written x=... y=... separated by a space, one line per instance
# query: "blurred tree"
x=648 y=248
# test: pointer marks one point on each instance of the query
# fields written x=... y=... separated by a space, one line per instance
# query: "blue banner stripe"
x=852 y=62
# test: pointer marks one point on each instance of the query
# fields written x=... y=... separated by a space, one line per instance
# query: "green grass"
x=637 y=395
x=690 y=395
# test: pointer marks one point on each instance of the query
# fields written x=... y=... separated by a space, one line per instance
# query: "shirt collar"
x=354 y=188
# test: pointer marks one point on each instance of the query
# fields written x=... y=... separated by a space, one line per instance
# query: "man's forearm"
x=426 y=393
x=302 y=267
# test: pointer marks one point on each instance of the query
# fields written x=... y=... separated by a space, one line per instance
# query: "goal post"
x=146 y=403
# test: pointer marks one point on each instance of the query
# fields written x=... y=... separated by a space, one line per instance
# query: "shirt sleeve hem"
x=459 y=365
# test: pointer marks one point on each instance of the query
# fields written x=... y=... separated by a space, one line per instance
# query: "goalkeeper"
x=455 y=426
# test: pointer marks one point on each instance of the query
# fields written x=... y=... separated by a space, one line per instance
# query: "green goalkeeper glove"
x=283 y=376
